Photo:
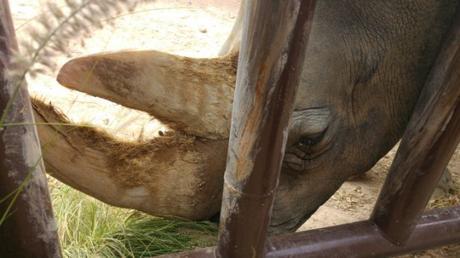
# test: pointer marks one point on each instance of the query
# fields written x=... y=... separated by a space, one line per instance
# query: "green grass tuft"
x=89 y=228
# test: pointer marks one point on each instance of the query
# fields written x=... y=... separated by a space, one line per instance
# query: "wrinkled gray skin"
x=365 y=66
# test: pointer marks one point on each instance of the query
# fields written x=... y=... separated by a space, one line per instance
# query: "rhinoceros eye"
x=311 y=143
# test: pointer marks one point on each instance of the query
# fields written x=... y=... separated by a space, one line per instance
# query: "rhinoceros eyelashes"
x=312 y=145
x=307 y=142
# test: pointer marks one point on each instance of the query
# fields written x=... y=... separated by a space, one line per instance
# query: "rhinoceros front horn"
x=178 y=174
x=189 y=94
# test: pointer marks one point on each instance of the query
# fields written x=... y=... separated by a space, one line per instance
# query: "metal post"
x=271 y=57
x=27 y=225
x=427 y=145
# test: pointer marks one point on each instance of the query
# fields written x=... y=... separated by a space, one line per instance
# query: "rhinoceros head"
x=365 y=65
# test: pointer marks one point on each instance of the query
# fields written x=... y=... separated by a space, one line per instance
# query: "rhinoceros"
x=365 y=64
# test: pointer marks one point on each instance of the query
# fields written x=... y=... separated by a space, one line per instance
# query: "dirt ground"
x=198 y=29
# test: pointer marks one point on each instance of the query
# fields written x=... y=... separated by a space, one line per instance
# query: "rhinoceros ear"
x=188 y=94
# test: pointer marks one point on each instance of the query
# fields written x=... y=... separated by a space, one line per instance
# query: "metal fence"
x=275 y=38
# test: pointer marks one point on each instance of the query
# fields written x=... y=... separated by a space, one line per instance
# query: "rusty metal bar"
x=27 y=225
x=363 y=239
x=273 y=48
x=427 y=145
x=360 y=239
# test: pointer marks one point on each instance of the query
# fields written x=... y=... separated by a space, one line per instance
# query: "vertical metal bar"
x=27 y=225
x=427 y=145
x=271 y=57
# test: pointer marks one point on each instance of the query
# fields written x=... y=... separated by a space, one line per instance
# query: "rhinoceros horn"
x=191 y=95
x=177 y=174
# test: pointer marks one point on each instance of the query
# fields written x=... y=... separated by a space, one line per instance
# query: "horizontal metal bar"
x=363 y=239
x=360 y=239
